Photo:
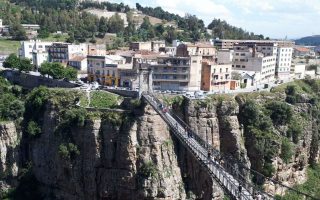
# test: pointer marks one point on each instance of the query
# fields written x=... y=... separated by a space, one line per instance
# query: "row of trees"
x=58 y=71
x=55 y=70
x=22 y=64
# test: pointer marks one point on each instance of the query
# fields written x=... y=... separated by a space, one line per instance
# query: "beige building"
x=137 y=46
x=216 y=77
x=185 y=50
x=256 y=58
x=104 y=69
x=157 y=45
x=177 y=73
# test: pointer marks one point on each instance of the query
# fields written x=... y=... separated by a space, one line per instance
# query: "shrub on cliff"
x=33 y=129
x=149 y=169
x=294 y=131
x=280 y=112
x=68 y=151
x=286 y=150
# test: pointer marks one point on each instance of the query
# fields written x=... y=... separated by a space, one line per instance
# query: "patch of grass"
x=56 y=38
x=9 y=46
x=100 y=99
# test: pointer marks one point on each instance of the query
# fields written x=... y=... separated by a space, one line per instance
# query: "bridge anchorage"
x=232 y=175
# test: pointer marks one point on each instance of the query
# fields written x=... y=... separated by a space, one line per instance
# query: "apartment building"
x=224 y=56
x=297 y=71
x=283 y=65
x=105 y=69
x=35 y=50
x=79 y=63
x=185 y=50
x=63 y=52
x=259 y=58
x=229 y=44
x=177 y=73
x=217 y=77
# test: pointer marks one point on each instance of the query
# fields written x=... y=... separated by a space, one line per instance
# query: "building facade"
x=177 y=73
x=283 y=65
x=217 y=77
x=63 y=52
x=35 y=50
x=256 y=58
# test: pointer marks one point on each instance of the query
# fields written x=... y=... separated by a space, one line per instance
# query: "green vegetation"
x=22 y=64
x=286 y=150
x=100 y=99
x=280 y=112
x=114 y=118
x=33 y=129
x=11 y=104
x=55 y=38
x=311 y=186
x=58 y=71
x=68 y=151
x=294 y=131
x=75 y=117
x=149 y=169
x=8 y=46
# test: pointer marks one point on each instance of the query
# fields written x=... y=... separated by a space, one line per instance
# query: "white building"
x=297 y=71
x=283 y=65
x=256 y=58
x=35 y=50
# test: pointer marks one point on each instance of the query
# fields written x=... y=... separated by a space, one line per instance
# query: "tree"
x=45 y=68
x=70 y=73
x=17 y=32
x=12 y=62
x=103 y=25
x=57 y=71
x=116 y=24
x=25 y=65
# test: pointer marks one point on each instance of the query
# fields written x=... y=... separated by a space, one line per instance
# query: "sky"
x=277 y=19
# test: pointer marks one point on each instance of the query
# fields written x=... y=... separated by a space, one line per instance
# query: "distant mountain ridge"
x=309 y=40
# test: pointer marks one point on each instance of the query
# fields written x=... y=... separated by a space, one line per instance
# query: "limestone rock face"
x=9 y=155
x=135 y=159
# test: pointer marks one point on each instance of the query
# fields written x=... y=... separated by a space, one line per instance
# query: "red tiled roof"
x=302 y=49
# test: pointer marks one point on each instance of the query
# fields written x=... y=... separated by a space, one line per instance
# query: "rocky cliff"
x=73 y=153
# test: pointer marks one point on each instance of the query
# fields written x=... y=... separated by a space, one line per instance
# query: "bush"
x=33 y=129
x=286 y=150
x=294 y=131
x=75 y=117
x=149 y=169
x=68 y=151
x=36 y=101
x=280 y=113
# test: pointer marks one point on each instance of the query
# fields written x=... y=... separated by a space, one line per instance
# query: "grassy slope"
x=9 y=46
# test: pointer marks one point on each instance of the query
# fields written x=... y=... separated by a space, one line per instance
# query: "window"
x=237 y=66
x=194 y=61
x=243 y=66
x=227 y=69
x=243 y=54
x=220 y=70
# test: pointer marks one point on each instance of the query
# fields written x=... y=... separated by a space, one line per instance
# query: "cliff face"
x=9 y=155
x=116 y=155
x=133 y=158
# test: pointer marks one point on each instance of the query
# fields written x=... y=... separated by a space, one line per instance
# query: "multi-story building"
x=177 y=73
x=224 y=56
x=229 y=44
x=283 y=65
x=259 y=58
x=63 y=52
x=79 y=63
x=104 y=69
x=35 y=50
x=297 y=71
x=185 y=50
x=216 y=77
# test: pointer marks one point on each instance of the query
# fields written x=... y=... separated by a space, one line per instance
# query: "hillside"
x=309 y=40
